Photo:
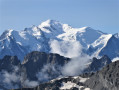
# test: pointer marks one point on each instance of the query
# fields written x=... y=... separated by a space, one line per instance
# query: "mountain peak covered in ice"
x=6 y=34
x=49 y=23
x=55 y=37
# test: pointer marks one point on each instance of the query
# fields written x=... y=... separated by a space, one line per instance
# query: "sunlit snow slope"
x=53 y=36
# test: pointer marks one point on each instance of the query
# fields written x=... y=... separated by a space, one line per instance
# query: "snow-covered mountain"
x=54 y=37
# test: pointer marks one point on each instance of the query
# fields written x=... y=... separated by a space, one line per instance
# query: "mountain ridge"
x=51 y=32
x=105 y=79
x=40 y=67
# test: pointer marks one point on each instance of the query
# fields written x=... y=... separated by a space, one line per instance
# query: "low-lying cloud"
x=48 y=72
x=75 y=66
x=29 y=83
x=74 y=50
x=10 y=79
x=14 y=78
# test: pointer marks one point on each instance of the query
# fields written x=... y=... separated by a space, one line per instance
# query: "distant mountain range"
x=54 y=37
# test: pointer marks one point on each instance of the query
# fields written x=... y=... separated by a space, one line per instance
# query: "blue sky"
x=98 y=14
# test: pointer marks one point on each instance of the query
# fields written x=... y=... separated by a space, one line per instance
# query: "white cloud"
x=12 y=80
x=10 y=77
x=68 y=49
x=71 y=49
x=75 y=66
x=48 y=72
x=29 y=83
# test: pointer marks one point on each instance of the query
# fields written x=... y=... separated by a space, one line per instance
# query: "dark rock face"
x=8 y=62
x=35 y=61
x=44 y=58
x=105 y=79
x=98 y=64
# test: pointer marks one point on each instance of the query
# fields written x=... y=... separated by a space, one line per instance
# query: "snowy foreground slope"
x=54 y=37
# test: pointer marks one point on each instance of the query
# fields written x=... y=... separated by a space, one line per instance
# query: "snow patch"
x=68 y=85
x=115 y=59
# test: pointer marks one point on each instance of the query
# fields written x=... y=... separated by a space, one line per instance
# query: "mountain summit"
x=54 y=37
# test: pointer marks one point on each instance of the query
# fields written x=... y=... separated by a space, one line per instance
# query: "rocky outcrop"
x=35 y=61
x=105 y=79
x=97 y=64
x=8 y=63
